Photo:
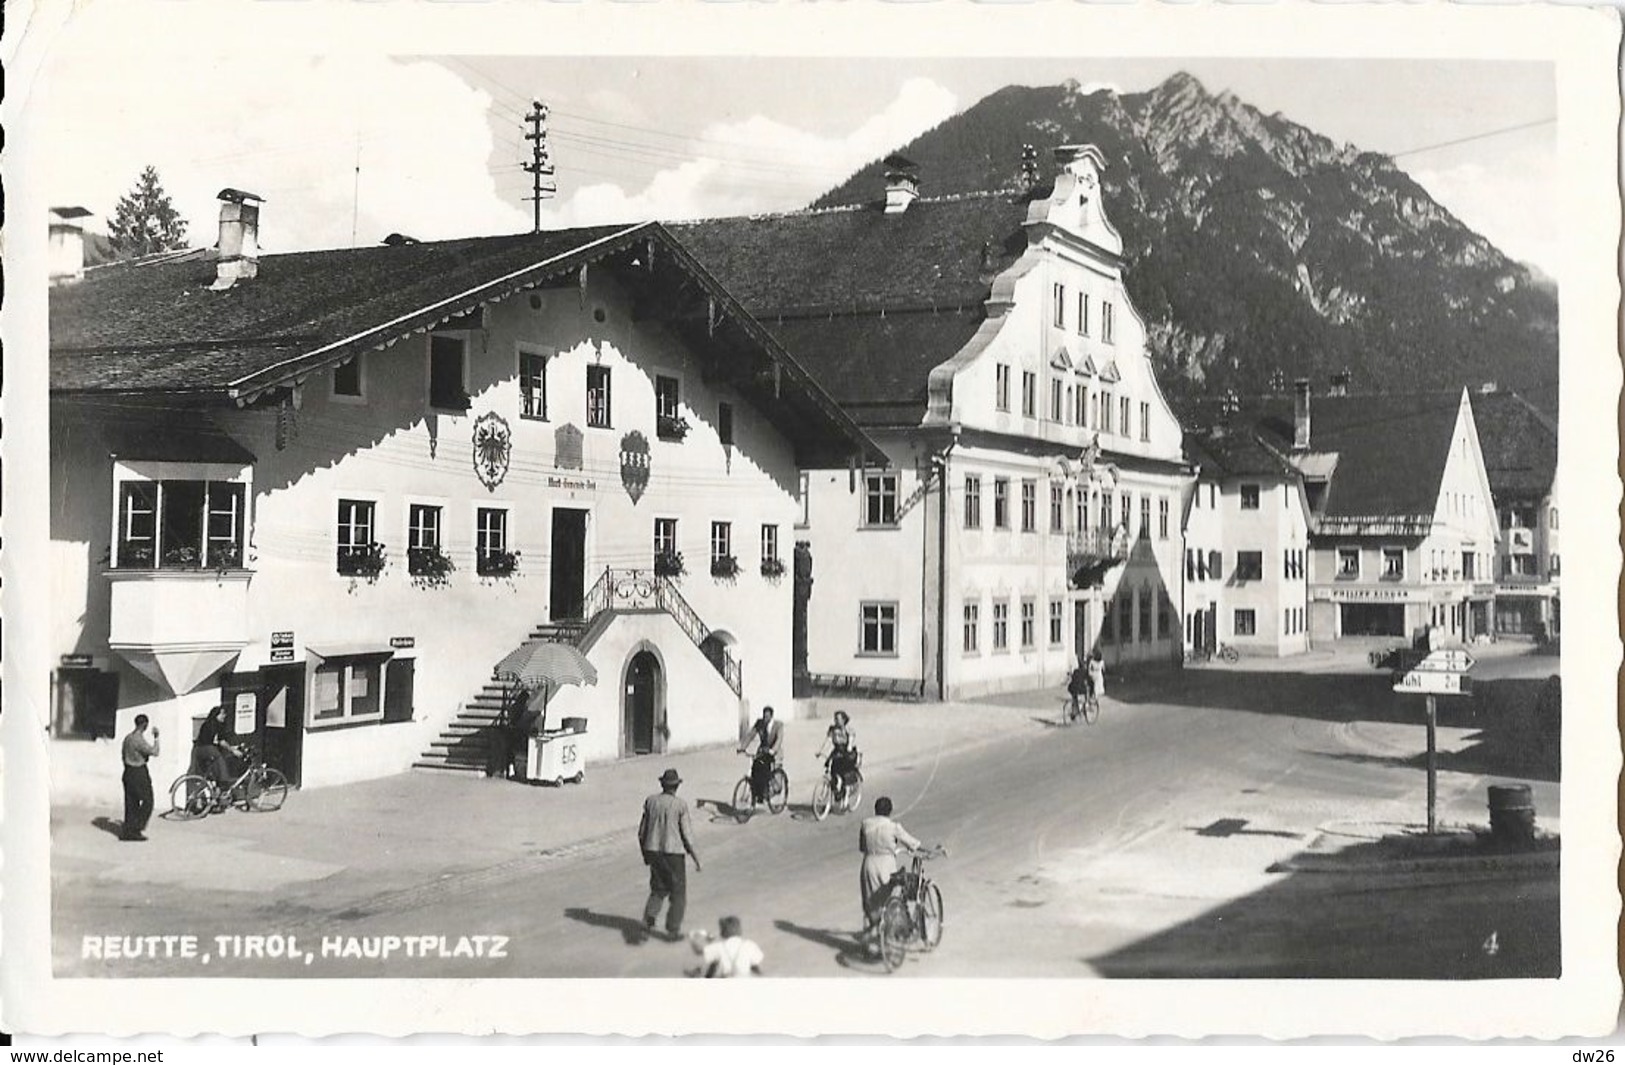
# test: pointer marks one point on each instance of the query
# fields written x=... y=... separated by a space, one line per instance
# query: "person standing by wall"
x=665 y=834
x=136 y=750
x=1097 y=674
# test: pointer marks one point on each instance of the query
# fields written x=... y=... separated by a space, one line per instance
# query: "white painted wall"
x=389 y=449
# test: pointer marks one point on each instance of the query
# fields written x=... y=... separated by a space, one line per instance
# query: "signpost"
x=1442 y=672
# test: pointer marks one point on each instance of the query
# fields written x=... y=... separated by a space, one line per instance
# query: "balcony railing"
x=1091 y=552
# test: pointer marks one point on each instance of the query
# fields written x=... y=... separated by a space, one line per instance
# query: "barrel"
x=1512 y=813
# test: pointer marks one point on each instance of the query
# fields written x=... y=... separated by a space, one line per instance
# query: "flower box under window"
x=672 y=427
x=772 y=568
x=496 y=563
x=430 y=565
x=366 y=561
x=725 y=566
x=669 y=564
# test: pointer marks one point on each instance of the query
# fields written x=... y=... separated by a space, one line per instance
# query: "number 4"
x=1492 y=945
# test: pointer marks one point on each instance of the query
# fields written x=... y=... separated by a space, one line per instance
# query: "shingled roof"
x=156 y=327
x=1519 y=443
x=869 y=302
x=1236 y=451
x=1391 y=451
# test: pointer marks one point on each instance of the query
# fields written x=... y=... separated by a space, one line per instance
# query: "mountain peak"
x=1255 y=245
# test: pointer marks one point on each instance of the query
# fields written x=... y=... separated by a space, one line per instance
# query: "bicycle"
x=834 y=793
x=913 y=914
x=259 y=789
x=1229 y=655
x=778 y=793
x=1086 y=706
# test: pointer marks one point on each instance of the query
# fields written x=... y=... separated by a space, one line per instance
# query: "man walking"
x=137 y=780
x=665 y=834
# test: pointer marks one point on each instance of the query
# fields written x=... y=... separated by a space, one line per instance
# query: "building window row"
x=971 y=639
x=359 y=552
x=1203 y=565
x=1292 y=563
x=668 y=551
x=1292 y=621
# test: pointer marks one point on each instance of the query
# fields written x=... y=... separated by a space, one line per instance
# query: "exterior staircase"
x=477 y=739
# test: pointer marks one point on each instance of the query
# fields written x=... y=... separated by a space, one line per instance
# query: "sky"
x=348 y=147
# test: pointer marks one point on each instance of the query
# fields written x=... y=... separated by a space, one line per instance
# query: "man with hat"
x=665 y=834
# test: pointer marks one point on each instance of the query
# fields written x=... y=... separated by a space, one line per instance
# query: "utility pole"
x=540 y=165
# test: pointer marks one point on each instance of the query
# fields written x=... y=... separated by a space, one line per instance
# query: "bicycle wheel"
x=778 y=791
x=742 y=801
x=191 y=796
x=823 y=799
x=931 y=916
x=854 y=793
x=1229 y=654
x=896 y=929
x=1091 y=709
x=266 y=791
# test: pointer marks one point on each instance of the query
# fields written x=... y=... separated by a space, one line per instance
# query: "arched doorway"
x=642 y=705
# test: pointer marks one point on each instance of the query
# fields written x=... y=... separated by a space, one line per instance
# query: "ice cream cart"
x=558 y=755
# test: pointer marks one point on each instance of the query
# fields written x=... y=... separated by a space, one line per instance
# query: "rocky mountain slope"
x=1259 y=251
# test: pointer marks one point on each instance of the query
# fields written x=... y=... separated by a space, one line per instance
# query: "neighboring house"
x=1247 y=546
x=1402 y=530
x=344 y=484
x=1028 y=509
x=1520 y=454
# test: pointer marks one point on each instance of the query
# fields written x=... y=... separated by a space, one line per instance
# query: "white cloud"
x=287 y=126
x=758 y=164
x=1495 y=201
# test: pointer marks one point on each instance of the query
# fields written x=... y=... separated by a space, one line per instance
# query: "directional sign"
x=1432 y=682
x=1454 y=660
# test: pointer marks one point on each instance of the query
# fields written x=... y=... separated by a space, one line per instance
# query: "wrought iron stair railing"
x=644 y=589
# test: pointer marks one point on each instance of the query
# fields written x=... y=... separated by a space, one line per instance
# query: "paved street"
x=1140 y=846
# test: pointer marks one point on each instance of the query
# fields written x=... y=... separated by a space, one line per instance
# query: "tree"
x=145 y=221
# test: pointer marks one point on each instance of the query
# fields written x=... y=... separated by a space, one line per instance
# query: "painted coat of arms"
x=493 y=446
x=634 y=464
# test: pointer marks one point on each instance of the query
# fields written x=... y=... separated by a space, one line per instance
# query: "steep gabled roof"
x=1519 y=444
x=869 y=302
x=1391 y=450
x=157 y=328
x=1237 y=451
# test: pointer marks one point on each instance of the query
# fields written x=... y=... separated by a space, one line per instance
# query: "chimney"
x=239 y=246
x=902 y=183
x=1300 y=414
x=1340 y=383
x=66 y=260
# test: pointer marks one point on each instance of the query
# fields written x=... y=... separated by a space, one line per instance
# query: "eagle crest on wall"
x=493 y=447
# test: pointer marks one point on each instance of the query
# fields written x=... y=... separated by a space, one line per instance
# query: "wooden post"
x=1433 y=764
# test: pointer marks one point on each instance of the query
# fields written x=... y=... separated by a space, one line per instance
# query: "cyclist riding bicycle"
x=1079 y=685
x=212 y=751
x=842 y=763
x=768 y=735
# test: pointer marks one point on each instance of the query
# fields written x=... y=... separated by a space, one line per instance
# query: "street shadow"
x=631 y=929
x=1225 y=827
x=108 y=825
x=849 y=952
x=1406 y=925
x=723 y=812
x=1482 y=757
x=1048 y=722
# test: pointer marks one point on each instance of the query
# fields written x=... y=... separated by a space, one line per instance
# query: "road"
x=1117 y=849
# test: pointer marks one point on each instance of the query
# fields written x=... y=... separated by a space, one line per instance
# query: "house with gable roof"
x=334 y=488
x=1520 y=455
x=1027 y=511
x=1246 y=545
x=1402 y=532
